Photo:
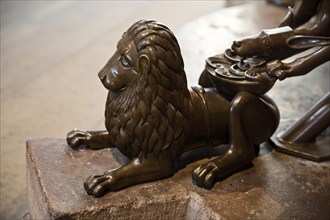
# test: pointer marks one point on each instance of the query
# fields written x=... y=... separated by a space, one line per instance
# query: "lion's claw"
x=75 y=138
x=205 y=174
x=98 y=185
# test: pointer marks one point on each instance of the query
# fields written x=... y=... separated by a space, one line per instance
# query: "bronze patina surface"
x=152 y=117
x=255 y=63
x=307 y=137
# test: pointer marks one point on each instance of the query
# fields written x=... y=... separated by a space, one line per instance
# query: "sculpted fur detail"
x=152 y=117
x=149 y=115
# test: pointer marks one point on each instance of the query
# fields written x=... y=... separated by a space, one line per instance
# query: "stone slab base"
x=276 y=186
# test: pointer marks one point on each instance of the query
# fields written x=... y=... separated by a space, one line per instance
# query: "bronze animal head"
x=146 y=45
x=147 y=91
x=268 y=43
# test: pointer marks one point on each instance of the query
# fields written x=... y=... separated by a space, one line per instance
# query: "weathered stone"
x=277 y=186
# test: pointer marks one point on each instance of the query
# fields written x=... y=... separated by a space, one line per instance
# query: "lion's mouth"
x=119 y=90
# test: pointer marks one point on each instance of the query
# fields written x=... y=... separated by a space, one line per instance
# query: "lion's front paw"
x=75 y=138
x=205 y=174
x=98 y=185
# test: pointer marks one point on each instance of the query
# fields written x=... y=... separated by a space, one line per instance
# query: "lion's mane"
x=151 y=117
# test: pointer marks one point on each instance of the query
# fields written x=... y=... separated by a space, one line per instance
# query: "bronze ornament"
x=153 y=118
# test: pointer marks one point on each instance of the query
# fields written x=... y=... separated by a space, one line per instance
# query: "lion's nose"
x=102 y=74
x=103 y=79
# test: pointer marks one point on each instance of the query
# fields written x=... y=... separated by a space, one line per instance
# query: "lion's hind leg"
x=252 y=120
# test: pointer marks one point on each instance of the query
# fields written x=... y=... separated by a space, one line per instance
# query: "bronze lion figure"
x=153 y=118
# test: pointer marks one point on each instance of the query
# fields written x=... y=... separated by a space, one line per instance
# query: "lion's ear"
x=144 y=63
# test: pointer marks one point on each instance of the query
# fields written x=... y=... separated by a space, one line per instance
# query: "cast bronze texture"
x=304 y=137
x=307 y=137
x=153 y=118
x=305 y=29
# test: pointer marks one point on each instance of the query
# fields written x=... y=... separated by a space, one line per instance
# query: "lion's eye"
x=124 y=61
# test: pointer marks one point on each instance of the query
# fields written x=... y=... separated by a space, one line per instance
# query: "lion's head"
x=148 y=101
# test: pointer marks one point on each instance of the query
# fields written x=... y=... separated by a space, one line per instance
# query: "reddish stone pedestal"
x=277 y=186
